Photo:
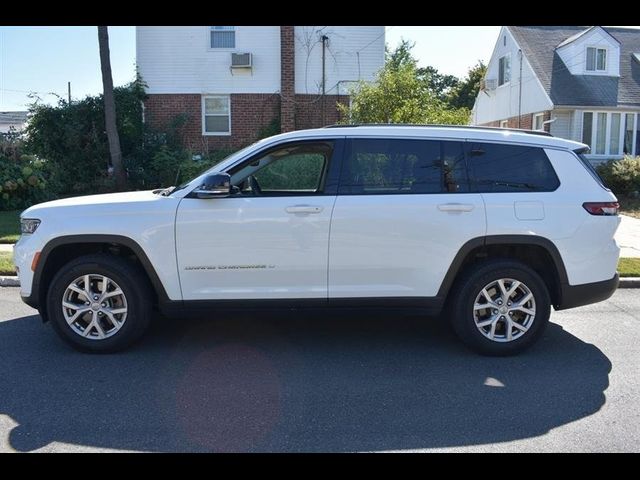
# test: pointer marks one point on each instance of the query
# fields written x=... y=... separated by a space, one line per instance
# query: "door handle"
x=304 y=209
x=455 y=207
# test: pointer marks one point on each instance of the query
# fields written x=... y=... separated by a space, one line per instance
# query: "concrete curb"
x=626 y=282
x=629 y=282
x=9 y=281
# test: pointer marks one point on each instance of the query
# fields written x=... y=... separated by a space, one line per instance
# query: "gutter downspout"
x=520 y=88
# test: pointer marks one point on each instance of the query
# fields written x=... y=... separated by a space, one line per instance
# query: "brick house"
x=224 y=85
x=580 y=83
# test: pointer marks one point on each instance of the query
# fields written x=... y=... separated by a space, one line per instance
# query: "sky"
x=451 y=50
x=44 y=59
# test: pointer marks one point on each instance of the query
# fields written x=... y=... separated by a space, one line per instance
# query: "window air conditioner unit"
x=489 y=84
x=241 y=60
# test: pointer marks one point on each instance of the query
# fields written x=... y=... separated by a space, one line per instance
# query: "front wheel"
x=99 y=303
x=500 y=308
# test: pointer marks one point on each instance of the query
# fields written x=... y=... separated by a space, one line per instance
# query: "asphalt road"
x=313 y=383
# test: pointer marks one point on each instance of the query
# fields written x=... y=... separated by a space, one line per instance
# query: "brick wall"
x=287 y=78
x=249 y=114
x=526 y=121
x=313 y=111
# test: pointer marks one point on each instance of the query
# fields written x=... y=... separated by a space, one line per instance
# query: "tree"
x=400 y=95
x=400 y=56
x=110 y=110
x=438 y=83
x=72 y=139
x=464 y=94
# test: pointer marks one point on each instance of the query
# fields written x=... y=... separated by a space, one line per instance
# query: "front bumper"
x=578 y=295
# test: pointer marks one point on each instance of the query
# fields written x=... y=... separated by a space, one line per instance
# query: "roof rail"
x=468 y=127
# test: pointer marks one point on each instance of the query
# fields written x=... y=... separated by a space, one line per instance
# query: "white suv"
x=491 y=227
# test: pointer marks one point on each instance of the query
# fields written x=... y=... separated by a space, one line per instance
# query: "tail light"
x=602 y=208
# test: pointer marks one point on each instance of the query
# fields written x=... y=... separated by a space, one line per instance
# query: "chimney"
x=287 y=79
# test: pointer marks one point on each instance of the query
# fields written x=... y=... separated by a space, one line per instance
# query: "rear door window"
x=403 y=166
x=510 y=168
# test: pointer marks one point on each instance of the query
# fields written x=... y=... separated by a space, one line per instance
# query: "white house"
x=224 y=84
x=12 y=120
x=580 y=83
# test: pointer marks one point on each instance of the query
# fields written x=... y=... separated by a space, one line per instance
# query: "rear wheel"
x=99 y=303
x=501 y=307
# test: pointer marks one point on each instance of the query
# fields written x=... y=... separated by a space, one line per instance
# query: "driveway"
x=323 y=383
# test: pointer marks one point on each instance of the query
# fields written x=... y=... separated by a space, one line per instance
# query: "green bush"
x=24 y=179
x=173 y=165
x=72 y=137
x=621 y=176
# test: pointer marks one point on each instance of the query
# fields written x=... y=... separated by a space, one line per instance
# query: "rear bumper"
x=577 y=295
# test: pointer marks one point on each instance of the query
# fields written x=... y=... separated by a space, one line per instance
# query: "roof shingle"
x=539 y=44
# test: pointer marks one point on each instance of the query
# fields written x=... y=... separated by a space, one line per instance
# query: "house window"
x=223 y=37
x=614 y=134
x=504 y=69
x=538 y=121
x=629 y=119
x=504 y=123
x=596 y=59
x=216 y=115
x=587 y=127
x=601 y=133
x=611 y=133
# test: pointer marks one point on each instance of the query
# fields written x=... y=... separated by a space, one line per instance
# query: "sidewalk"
x=628 y=236
x=6 y=247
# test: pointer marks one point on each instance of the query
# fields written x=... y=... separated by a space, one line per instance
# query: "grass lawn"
x=629 y=267
x=9 y=226
x=630 y=206
x=6 y=264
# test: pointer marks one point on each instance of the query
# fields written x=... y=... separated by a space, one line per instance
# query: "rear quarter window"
x=511 y=168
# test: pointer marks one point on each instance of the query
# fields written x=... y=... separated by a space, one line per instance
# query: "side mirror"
x=216 y=185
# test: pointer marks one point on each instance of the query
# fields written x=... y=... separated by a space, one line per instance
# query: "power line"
x=384 y=31
x=27 y=91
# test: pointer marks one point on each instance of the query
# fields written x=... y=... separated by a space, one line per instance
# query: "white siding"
x=179 y=60
x=502 y=102
x=577 y=125
x=352 y=53
x=574 y=54
x=562 y=126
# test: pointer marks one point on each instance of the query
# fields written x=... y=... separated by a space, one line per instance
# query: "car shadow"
x=313 y=382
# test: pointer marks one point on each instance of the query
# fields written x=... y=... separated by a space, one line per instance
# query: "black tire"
x=133 y=283
x=470 y=285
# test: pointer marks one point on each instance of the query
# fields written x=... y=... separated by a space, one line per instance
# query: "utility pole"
x=69 y=91
x=324 y=39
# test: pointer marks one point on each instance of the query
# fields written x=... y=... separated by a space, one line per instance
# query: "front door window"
x=296 y=169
